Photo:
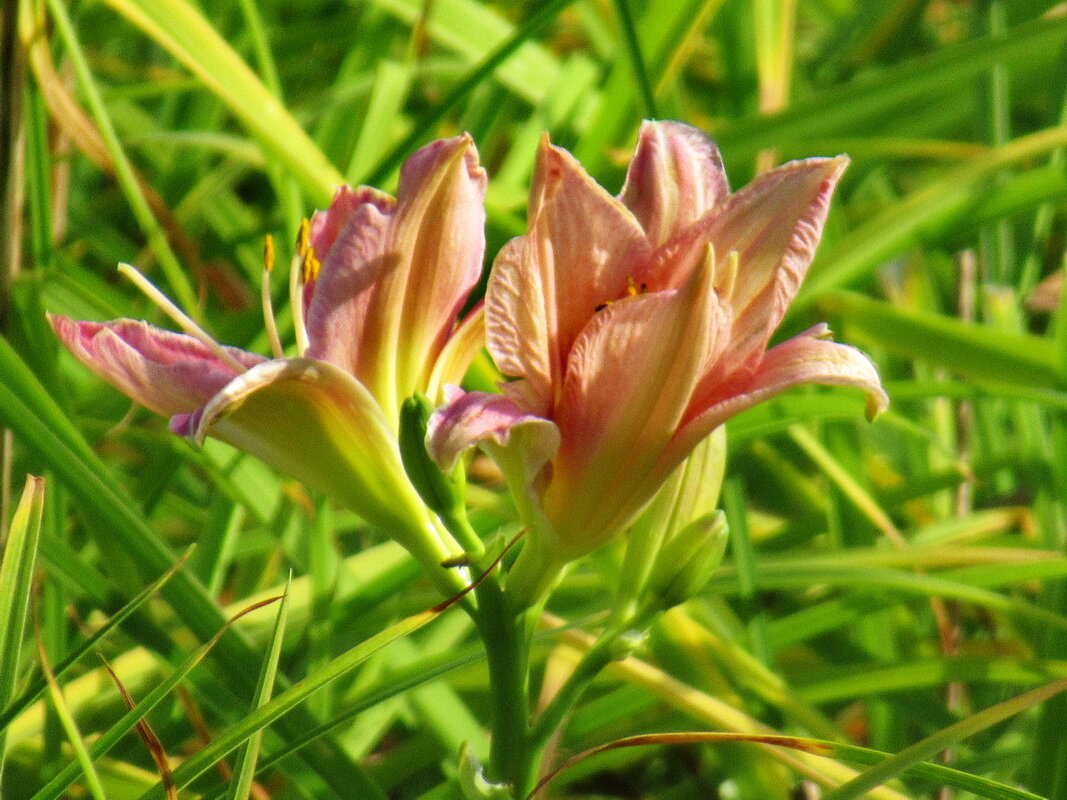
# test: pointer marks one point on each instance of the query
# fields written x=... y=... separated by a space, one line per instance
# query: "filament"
x=265 y=298
x=183 y=320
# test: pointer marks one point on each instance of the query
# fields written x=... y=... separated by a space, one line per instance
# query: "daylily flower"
x=634 y=326
x=381 y=324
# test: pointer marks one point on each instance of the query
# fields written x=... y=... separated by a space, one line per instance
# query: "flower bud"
x=442 y=492
x=686 y=561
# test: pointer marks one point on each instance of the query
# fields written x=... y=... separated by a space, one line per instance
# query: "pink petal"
x=581 y=248
x=170 y=373
x=395 y=274
x=629 y=382
x=675 y=177
x=479 y=418
x=806 y=358
x=327 y=225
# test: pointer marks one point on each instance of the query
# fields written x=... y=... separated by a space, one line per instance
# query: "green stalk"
x=605 y=650
x=507 y=651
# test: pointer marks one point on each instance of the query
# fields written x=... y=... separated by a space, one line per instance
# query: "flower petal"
x=582 y=246
x=629 y=382
x=396 y=274
x=675 y=177
x=314 y=422
x=472 y=418
x=806 y=358
x=774 y=224
x=458 y=353
x=170 y=373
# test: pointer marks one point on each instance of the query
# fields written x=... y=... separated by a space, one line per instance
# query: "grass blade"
x=182 y=30
x=245 y=768
x=932 y=745
x=16 y=580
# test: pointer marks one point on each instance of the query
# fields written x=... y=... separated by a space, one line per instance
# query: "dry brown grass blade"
x=148 y=736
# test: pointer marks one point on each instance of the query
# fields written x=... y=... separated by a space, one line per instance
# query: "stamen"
x=180 y=317
x=311 y=266
x=632 y=290
x=296 y=285
x=264 y=293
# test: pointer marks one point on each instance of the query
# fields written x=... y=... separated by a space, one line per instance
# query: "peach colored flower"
x=634 y=326
x=381 y=324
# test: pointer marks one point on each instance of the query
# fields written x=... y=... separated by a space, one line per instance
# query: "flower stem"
x=507 y=650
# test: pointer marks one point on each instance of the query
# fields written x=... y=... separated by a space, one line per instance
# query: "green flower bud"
x=686 y=561
x=442 y=492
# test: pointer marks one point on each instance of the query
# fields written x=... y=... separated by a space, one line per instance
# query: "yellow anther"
x=268 y=252
x=311 y=266
x=303 y=237
x=634 y=289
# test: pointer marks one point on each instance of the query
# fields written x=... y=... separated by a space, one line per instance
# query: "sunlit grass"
x=889 y=580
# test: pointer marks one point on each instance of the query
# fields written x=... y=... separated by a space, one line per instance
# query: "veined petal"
x=327 y=225
x=806 y=358
x=472 y=418
x=396 y=273
x=313 y=421
x=170 y=373
x=581 y=248
x=774 y=225
x=675 y=177
x=629 y=382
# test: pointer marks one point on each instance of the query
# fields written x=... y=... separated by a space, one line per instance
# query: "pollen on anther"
x=303 y=237
x=311 y=266
x=268 y=252
x=265 y=299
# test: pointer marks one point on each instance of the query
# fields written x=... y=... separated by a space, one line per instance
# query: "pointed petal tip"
x=877 y=403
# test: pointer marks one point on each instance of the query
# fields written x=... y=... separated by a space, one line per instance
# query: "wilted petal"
x=806 y=358
x=170 y=373
x=314 y=422
x=395 y=274
x=629 y=382
x=581 y=248
x=675 y=177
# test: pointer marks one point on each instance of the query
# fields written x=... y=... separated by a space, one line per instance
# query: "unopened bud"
x=442 y=492
x=686 y=561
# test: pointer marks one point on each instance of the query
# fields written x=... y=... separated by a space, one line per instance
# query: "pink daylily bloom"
x=381 y=324
x=634 y=326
